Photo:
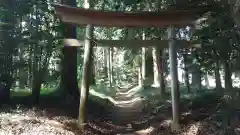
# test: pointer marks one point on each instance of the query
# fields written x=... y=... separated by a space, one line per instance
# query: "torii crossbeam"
x=178 y=18
x=161 y=44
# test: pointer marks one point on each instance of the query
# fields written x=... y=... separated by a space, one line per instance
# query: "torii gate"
x=164 y=19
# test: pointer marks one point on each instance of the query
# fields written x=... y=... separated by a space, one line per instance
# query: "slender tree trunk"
x=228 y=75
x=143 y=66
x=106 y=62
x=40 y=65
x=38 y=80
x=22 y=78
x=161 y=73
x=158 y=69
x=92 y=72
x=186 y=74
x=174 y=82
x=160 y=60
x=140 y=80
x=155 y=54
x=110 y=68
x=218 y=77
x=36 y=87
x=206 y=80
x=149 y=66
x=20 y=70
x=29 y=83
x=39 y=72
x=35 y=77
x=196 y=77
x=111 y=64
x=87 y=63
x=200 y=80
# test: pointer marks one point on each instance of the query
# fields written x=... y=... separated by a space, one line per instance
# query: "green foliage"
x=30 y=33
x=219 y=39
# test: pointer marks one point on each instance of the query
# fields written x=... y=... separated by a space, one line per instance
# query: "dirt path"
x=27 y=122
x=127 y=109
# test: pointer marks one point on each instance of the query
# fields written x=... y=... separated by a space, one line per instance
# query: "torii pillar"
x=175 y=94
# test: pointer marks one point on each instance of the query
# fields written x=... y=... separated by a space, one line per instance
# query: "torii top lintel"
x=81 y=16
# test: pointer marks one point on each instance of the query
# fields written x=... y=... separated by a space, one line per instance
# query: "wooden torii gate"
x=165 y=19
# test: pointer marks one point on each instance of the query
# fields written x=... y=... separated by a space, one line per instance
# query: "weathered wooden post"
x=87 y=63
x=174 y=76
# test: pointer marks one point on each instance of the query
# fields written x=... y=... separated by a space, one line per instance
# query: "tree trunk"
x=22 y=78
x=38 y=75
x=29 y=83
x=20 y=70
x=38 y=80
x=158 y=69
x=143 y=66
x=206 y=80
x=110 y=68
x=149 y=67
x=35 y=78
x=161 y=73
x=217 y=77
x=196 y=77
x=140 y=80
x=87 y=63
x=186 y=74
x=174 y=82
x=6 y=82
x=68 y=82
x=40 y=65
x=36 y=87
x=228 y=75
x=92 y=80
x=156 y=76
x=106 y=62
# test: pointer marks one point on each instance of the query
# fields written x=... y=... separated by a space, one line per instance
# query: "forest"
x=128 y=87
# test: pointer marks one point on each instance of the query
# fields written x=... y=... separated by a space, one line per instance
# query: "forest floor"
x=128 y=116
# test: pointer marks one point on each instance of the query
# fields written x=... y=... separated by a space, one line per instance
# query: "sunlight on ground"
x=131 y=92
x=102 y=96
x=27 y=122
x=166 y=123
x=187 y=113
x=17 y=92
x=145 y=131
x=134 y=103
x=194 y=129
